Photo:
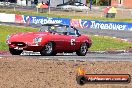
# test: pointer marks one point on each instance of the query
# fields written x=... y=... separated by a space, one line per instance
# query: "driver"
x=52 y=29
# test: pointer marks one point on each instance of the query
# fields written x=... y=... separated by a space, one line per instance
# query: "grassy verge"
x=7 y=30
x=102 y=43
x=33 y=13
x=99 y=43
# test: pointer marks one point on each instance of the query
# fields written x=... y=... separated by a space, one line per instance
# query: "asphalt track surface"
x=73 y=57
x=123 y=34
x=90 y=56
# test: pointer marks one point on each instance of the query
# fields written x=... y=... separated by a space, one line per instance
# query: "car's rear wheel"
x=47 y=50
x=15 y=52
x=82 y=50
x=54 y=53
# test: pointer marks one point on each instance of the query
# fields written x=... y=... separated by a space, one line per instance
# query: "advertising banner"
x=93 y=24
x=7 y=17
x=19 y=19
x=44 y=20
x=100 y=24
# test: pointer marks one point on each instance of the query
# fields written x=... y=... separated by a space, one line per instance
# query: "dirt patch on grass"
x=23 y=72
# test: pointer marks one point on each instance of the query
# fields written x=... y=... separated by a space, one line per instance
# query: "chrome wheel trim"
x=84 y=49
x=48 y=48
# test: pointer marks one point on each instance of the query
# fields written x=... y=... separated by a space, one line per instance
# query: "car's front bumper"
x=25 y=46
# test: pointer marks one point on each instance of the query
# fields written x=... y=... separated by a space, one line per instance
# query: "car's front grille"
x=19 y=44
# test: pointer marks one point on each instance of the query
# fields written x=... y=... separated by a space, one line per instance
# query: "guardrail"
x=93 y=24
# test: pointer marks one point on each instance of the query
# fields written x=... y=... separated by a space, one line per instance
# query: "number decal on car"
x=73 y=41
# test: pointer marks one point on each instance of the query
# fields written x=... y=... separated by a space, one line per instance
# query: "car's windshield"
x=43 y=29
x=73 y=31
x=54 y=28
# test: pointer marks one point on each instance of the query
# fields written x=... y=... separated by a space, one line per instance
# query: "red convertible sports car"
x=50 y=40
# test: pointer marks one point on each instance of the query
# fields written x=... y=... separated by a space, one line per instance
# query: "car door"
x=61 y=39
x=73 y=42
x=67 y=42
x=73 y=39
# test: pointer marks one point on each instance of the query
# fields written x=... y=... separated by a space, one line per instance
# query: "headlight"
x=37 y=40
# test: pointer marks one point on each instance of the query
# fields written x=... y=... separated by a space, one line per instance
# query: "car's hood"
x=28 y=36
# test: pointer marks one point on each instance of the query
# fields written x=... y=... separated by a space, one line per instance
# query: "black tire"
x=47 y=50
x=54 y=53
x=81 y=80
x=83 y=50
x=15 y=52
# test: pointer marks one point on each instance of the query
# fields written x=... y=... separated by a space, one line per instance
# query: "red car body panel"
x=62 y=43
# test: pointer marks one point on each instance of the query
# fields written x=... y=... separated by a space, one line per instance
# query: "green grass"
x=7 y=30
x=99 y=43
x=34 y=13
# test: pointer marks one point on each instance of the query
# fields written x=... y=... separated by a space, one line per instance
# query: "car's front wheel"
x=15 y=52
x=47 y=50
x=82 y=50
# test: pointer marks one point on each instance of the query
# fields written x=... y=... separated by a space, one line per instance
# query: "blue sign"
x=44 y=20
x=106 y=25
x=93 y=24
